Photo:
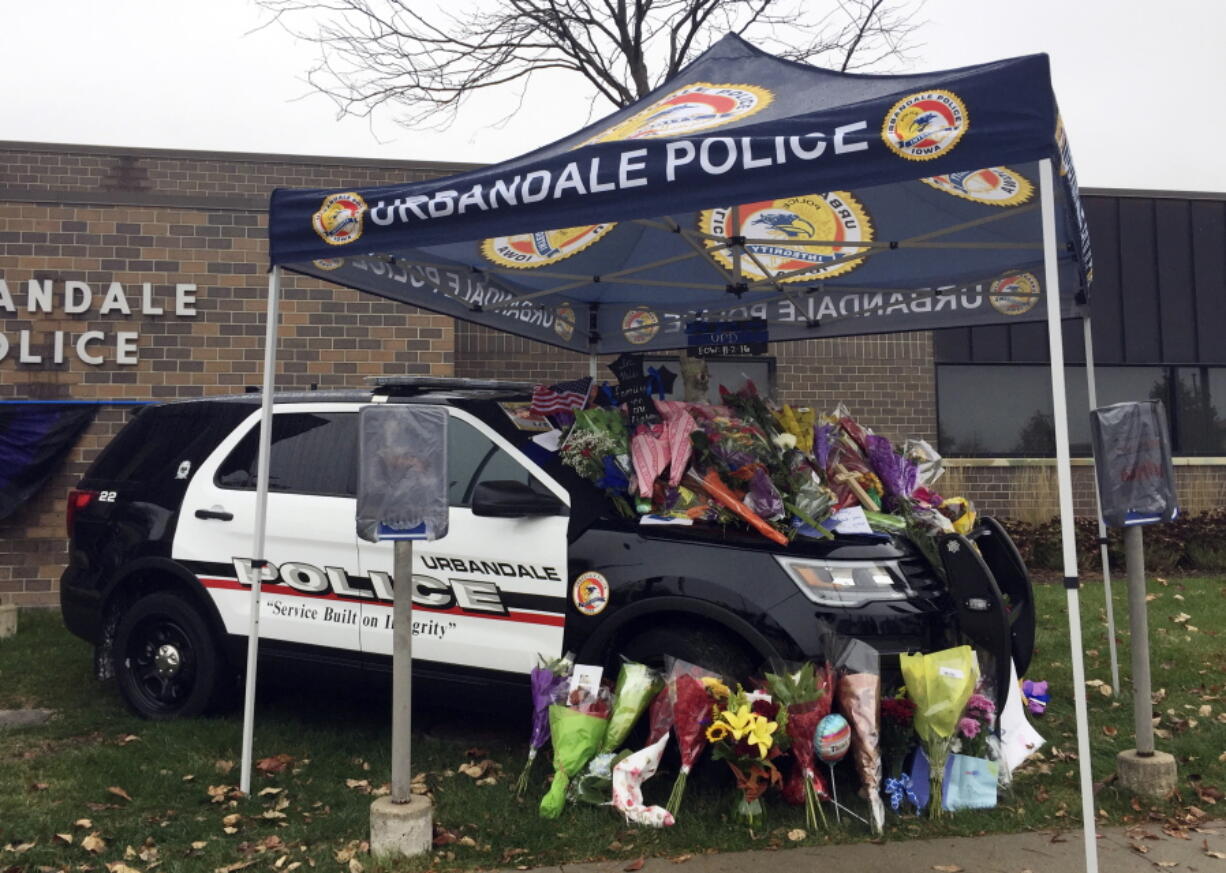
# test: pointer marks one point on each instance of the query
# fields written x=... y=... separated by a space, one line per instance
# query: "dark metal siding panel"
x=1102 y=214
x=1028 y=342
x=990 y=344
x=1208 y=234
x=1138 y=281
x=952 y=345
x=1173 y=247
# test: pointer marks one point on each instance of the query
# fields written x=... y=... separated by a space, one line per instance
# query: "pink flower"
x=980 y=706
x=969 y=728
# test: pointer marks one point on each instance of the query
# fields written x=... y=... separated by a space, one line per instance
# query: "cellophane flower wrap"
x=629 y=774
x=898 y=475
x=597 y=447
x=691 y=701
x=858 y=668
x=805 y=694
x=940 y=684
x=577 y=734
x=548 y=683
x=636 y=686
x=841 y=449
x=976 y=725
x=743 y=732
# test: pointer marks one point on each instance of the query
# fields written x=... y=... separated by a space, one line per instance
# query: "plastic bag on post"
x=402 y=470
x=1132 y=450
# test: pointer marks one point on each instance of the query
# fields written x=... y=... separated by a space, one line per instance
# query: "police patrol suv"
x=536 y=561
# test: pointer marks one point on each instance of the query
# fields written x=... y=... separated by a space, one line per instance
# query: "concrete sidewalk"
x=1038 y=852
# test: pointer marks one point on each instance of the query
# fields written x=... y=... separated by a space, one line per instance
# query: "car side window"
x=311 y=453
x=473 y=458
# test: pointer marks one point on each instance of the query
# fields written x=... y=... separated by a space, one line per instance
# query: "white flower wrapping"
x=628 y=777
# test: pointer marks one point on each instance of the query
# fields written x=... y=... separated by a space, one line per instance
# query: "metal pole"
x=1092 y=393
x=1138 y=619
x=402 y=671
x=1064 y=474
x=261 y=519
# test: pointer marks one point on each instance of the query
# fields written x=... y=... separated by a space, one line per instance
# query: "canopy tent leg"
x=1064 y=475
x=1092 y=393
x=592 y=361
x=261 y=518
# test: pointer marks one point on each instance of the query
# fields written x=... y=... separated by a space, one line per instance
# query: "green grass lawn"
x=100 y=788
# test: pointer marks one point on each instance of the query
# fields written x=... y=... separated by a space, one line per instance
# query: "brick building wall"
x=134 y=216
x=100 y=216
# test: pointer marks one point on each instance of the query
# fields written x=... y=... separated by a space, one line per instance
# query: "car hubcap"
x=167 y=661
x=161 y=662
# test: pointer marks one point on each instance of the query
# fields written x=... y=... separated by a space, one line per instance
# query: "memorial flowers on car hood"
x=940 y=683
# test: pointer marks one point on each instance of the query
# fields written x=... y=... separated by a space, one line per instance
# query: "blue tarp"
x=747 y=186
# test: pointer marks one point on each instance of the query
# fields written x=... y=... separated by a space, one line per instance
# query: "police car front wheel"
x=166 y=663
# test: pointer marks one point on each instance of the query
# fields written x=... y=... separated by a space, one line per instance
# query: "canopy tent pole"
x=261 y=518
x=1064 y=475
x=1092 y=392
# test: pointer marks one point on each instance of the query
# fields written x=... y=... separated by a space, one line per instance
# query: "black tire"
x=700 y=643
x=167 y=663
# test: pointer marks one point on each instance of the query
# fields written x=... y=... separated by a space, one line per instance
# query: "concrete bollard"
x=1150 y=775
x=401 y=828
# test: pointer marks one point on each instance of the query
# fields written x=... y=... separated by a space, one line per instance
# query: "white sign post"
x=402 y=496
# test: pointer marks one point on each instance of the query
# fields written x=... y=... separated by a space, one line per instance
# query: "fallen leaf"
x=66 y=839
x=239 y=865
x=274 y=763
x=796 y=835
x=83 y=823
x=681 y=859
x=467 y=841
x=229 y=830
x=232 y=819
x=127 y=738
x=636 y=864
x=1181 y=618
x=947 y=868
x=93 y=843
x=272 y=814
x=120 y=867
x=39 y=786
x=223 y=767
x=1110 y=730
x=1205 y=710
x=266 y=792
x=355 y=866
x=199 y=844
x=119 y=792
x=1165 y=863
x=1105 y=690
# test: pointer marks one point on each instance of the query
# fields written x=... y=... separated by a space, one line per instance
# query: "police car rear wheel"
x=165 y=660
x=701 y=643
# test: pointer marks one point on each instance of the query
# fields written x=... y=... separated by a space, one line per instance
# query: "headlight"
x=846 y=583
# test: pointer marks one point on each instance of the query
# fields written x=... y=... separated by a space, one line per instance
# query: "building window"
x=1003 y=411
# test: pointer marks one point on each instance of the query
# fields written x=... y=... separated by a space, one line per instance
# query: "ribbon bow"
x=613 y=479
x=655 y=383
x=900 y=788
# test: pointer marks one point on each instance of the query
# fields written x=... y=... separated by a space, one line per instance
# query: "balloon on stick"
x=832 y=740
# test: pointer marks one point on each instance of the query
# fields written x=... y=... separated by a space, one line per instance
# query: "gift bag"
x=970 y=783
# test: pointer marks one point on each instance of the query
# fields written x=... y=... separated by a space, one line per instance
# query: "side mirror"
x=508 y=499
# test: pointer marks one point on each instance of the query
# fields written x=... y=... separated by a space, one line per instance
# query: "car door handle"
x=219 y=514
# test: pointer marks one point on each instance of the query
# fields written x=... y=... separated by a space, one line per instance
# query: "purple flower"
x=980 y=707
x=969 y=728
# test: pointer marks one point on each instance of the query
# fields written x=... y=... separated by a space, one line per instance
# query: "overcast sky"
x=1138 y=83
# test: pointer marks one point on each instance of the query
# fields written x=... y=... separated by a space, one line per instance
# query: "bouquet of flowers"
x=722 y=494
x=577 y=728
x=859 y=692
x=839 y=448
x=975 y=725
x=940 y=683
x=548 y=680
x=598 y=449
x=636 y=686
x=804 y=695
x=797 y=423
x=897 y=729
x=742 y=733
x=898 y=474
x=690 y=693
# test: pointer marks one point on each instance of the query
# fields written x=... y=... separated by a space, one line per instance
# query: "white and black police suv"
x=536 y=561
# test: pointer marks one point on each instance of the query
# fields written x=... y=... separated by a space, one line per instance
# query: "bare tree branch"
x=377 y=55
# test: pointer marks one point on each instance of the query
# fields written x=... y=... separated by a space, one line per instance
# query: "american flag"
x=563 y=397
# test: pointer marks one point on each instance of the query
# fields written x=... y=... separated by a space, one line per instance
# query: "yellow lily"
x=716 y=688
x=738 y=722
x=760 y=734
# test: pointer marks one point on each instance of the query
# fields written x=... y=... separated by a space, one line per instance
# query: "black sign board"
x=632 y=389
x=726 y=339
x=1132 y=454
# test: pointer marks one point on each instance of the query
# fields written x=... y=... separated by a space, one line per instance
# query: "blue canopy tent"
x=747 y=186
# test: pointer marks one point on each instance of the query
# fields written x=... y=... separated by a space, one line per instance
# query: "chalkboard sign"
x=1132 y=456
x=726 y=339
x=632 y=389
